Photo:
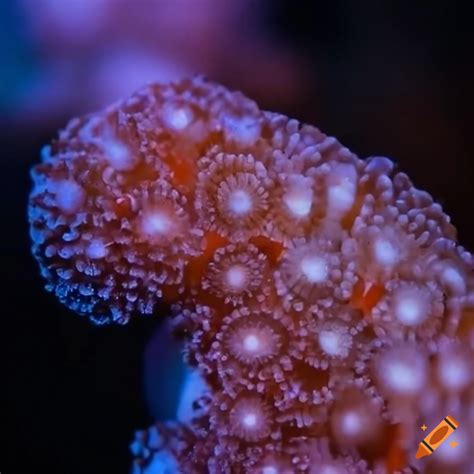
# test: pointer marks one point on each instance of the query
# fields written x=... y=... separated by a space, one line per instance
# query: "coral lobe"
x=316 y=291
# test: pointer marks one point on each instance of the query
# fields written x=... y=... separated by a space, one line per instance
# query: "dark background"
x=393 y=79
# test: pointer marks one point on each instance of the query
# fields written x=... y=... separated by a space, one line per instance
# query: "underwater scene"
x=242 y=237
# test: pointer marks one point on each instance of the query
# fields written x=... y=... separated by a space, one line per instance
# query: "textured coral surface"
x=324 y=300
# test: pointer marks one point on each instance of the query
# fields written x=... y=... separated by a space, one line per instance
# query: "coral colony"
x=325 y=303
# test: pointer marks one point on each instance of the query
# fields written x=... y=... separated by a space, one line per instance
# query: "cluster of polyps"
x=325 y=301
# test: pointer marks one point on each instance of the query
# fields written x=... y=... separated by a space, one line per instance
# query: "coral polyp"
x=249 y=419
x=237 y=274
x=252 y=340
x=232 y=195
x=314 y=273
x=324 y=301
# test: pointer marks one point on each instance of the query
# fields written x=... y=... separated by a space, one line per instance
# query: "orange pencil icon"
x=437 y=437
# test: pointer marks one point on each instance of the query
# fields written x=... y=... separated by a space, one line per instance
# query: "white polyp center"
x=299 y=201
x=249 y=420
x=251 y=343
x=331 y=342
x=341 y=190
x=236 y=277
x=96 y=249
x=315 y=269
x=269 y=470
x=454 y=373
x=240 y=202
x=157 y=223
x=341 y=197
x=351 y=423
x=403 y=377
x=69 y=195
x=177 y=118
x=118 y=155
x=385 y=253
x=410 y=310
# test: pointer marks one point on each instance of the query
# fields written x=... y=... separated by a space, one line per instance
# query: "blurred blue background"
x=386 y=78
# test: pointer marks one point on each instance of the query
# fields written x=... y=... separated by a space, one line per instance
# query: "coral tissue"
x=324 y=300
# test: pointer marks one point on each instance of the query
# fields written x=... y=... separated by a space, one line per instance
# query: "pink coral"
x=317 y=291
